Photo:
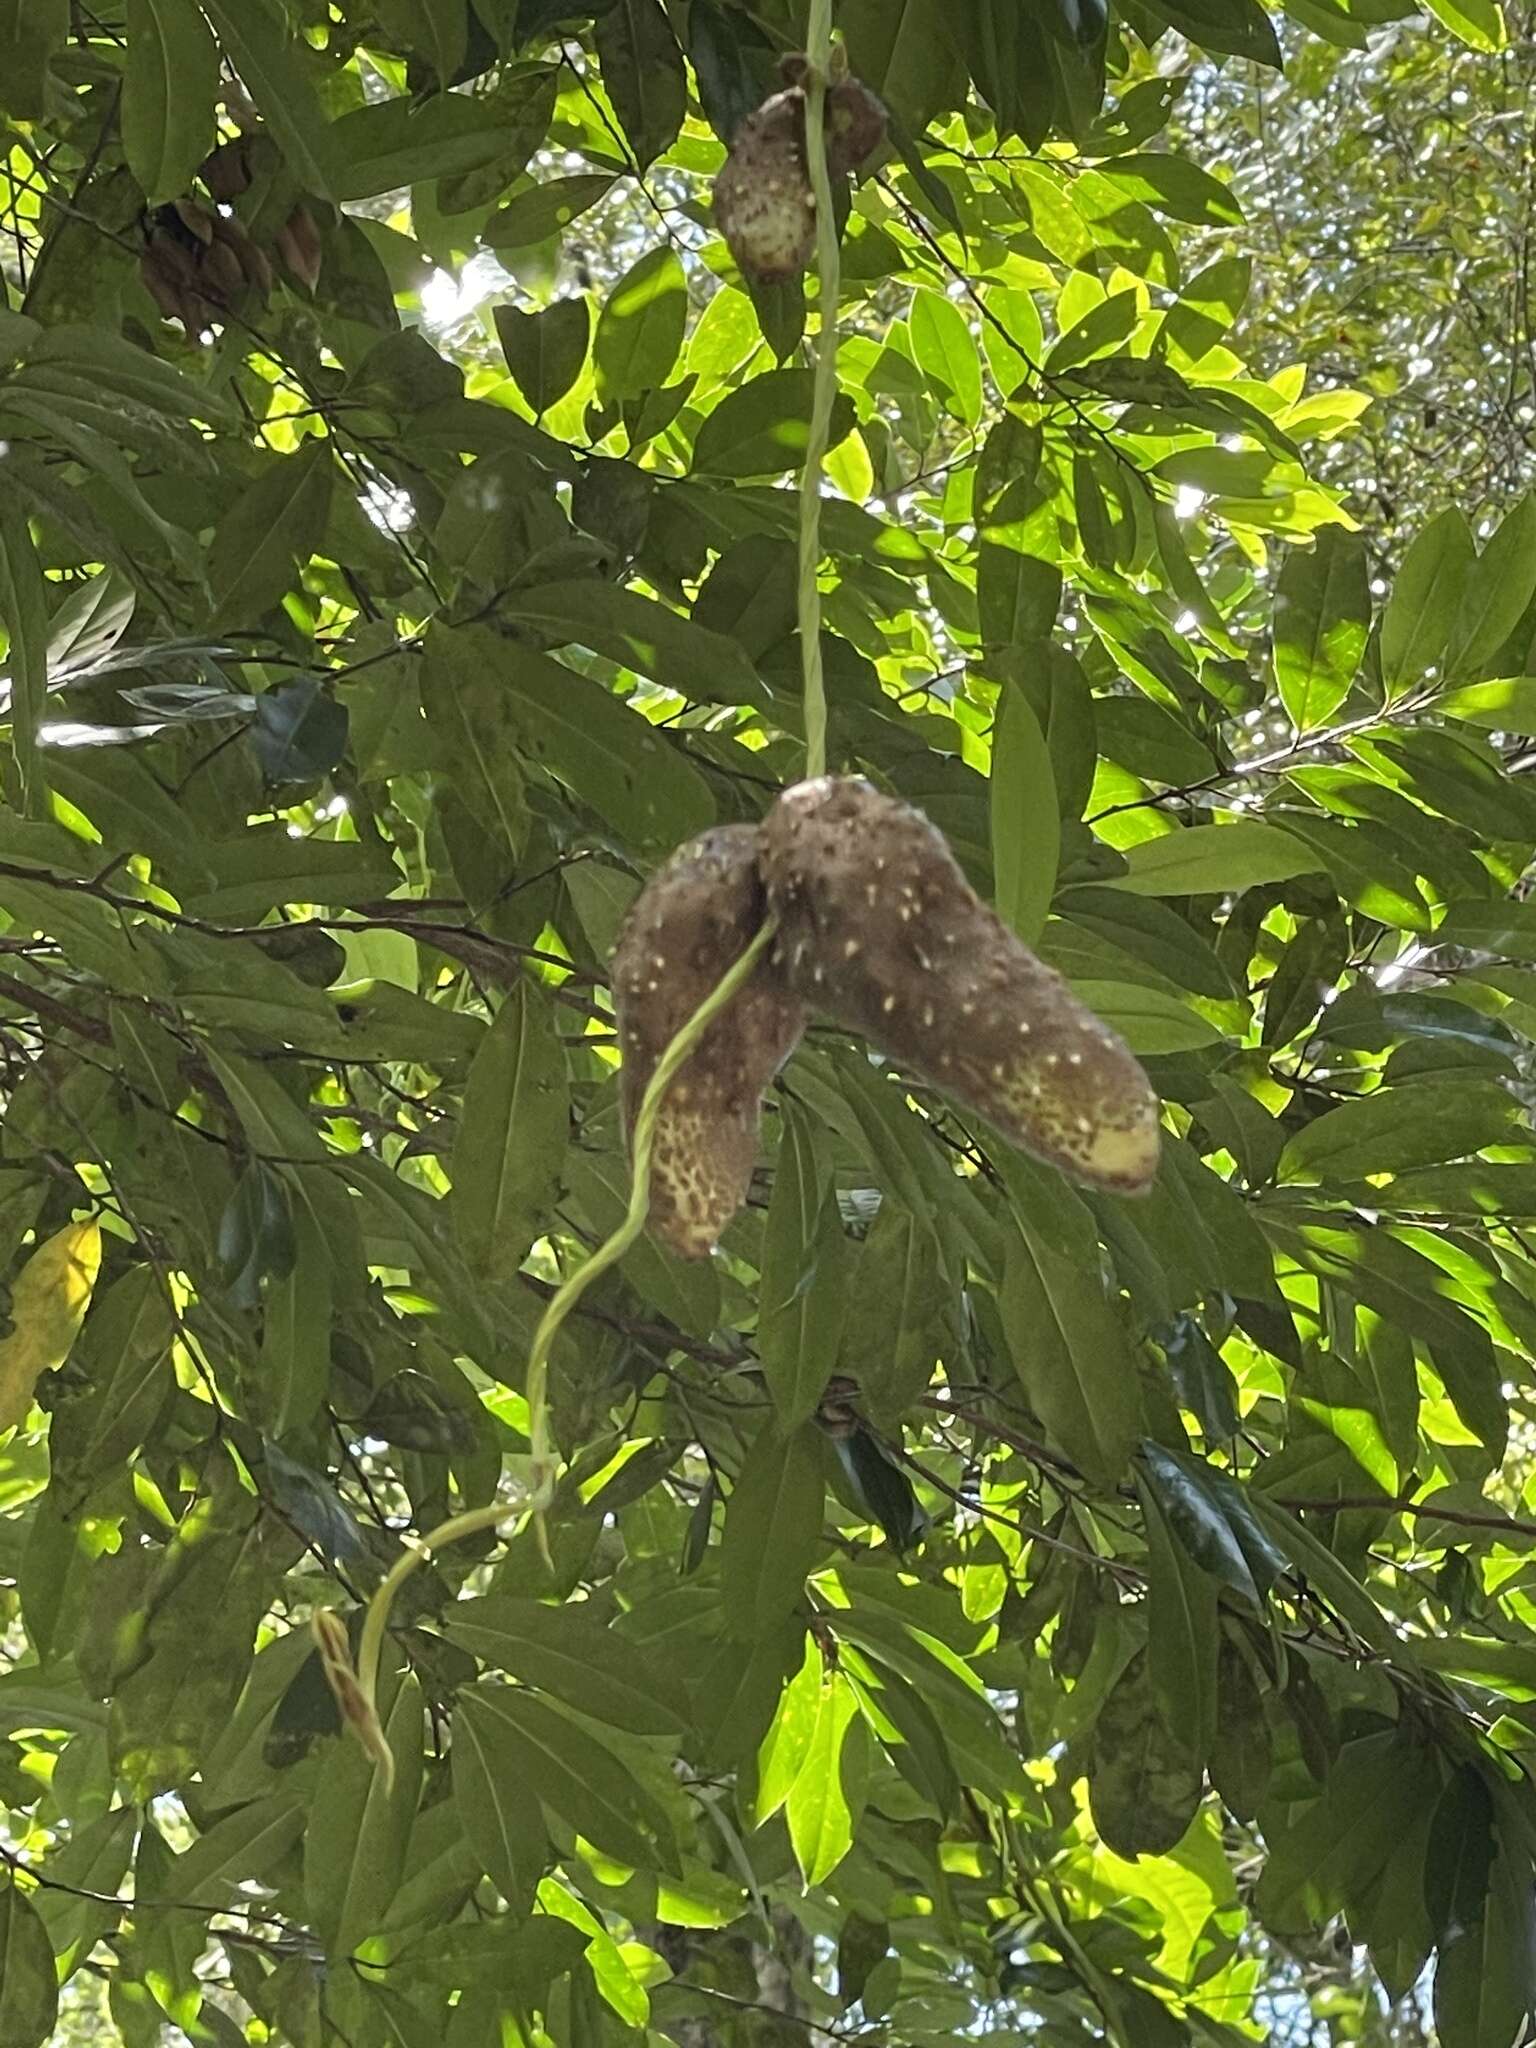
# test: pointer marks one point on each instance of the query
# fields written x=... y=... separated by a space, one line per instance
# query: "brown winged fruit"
x=691 y=921
x=764 y=204
x=879 y=929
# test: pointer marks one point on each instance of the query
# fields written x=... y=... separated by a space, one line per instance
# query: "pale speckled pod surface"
x=881 y=931
x=763 y=202
x=764 y=205
x=694 y=917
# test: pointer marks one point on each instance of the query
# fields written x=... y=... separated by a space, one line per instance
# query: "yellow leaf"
x=48 y=1304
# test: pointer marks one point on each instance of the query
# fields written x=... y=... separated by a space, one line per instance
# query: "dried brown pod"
x=764 y=205
x=226 y=171
x=879 y=929
x=298 y=244
x=696 y=916
x=250 y=258
x=764 y=202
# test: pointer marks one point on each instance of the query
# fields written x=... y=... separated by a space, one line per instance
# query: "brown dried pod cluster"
x=764 y=202
x=696 y=916
x=879 y=929
x=199 y=260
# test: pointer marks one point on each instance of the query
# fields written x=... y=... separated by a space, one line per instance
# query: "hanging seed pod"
x=764 y=203
x=881 y=930
x=251 y=261
x=226 y=171
x=298 y=244
x=695 y=917
x=856 y=123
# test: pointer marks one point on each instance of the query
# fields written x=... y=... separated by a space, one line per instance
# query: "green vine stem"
x=824 y=389
x=363 y=1714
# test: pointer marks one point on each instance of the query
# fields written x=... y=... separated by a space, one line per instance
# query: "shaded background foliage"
x=396 y=562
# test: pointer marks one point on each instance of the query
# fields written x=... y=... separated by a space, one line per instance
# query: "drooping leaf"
x=1322 y=616
x=506 y=1159
x=48 y=1302
x=772 y=1528
x=29 y=1992
x=640 y=328
x=168 y=94
x=804 y=1277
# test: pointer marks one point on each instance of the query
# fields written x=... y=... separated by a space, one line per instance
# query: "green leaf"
x=1395 y=1128
x=1017 y=594
x=1485 y=1979
x=1216 y=1520
x=1174 y=186
x=580 y=1660
x=397 y=142
x=429 y=29
x=358 y=1827
x=512 y=1135
x=1326 y=1856
x=1426 y=599
x=640 y=329
x=783 y=1750
x=1100 y=330
x=1239 y=28
x=1026 y=824
x=610 y=757
x=1480 y=25
x=1497 y=593
x=1315 y=1561
x=1215 y=859
x=944 y=348
x=1144 y=1780
x=243 y=1846
x=643 y=634
x=891 y=1345
x=544 y=210
x=582 y=1780
x=1182 y=1630
x=772 y=1528
x=822 y=1806
x=1145 y=1018
x=169 y=87
x=1507 y=704
x=1461 y=1851
x=124 y=1347
x=31 y=32
x=495 y=1797
x=1241 y=1758
x=1072 y=1355
x=545 y=351
x=644 y=74
x=24 y=615
x=1321 y=619
x=259 y=41
x=804 y=1287
x=29 y=1991
x=762 y=427
x=277 y=521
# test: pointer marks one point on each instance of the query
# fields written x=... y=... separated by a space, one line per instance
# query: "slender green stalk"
x=371 y=1646
x=616 y=1246
x=824 y=389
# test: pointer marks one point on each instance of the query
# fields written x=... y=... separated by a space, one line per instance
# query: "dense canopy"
x=969 y=1605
